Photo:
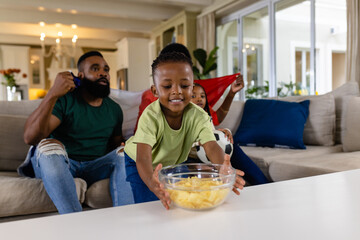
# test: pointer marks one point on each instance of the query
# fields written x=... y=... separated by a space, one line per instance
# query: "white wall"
x=111 y=59
x=133 y=54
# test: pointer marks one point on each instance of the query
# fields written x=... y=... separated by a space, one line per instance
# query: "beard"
x=95 y=88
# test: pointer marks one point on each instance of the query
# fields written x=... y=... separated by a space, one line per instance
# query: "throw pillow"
x=12 y=146
x=341 y=95
x=129 y=102
x=273 y=123
x=351 y=137
x=320 y=125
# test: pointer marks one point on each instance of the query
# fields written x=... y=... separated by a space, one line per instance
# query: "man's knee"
x=51 y=146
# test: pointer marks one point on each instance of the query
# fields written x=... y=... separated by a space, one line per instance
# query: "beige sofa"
x=328 y=133
x=22 y=195
x=331 y=136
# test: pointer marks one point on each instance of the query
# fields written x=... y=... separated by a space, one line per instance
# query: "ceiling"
x=99 y=23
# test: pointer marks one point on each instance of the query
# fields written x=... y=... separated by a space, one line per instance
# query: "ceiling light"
x=42 y=36
x=59 y=10
x=41 y=8
x=73 y=11
x=73 y=26
x=74 y=38
x=42 y=24
x=59 y=51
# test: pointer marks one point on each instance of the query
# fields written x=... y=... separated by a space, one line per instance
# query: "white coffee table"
x=320 y=207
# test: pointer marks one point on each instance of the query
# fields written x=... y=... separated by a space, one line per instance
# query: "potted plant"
x=10 y=80
x=208 y=63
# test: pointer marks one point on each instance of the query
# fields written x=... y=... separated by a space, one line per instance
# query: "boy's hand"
x=158 y=188
x=239 y=181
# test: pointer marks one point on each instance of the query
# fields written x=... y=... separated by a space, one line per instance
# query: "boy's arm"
x=214 y=152
x=217 y=156
x=149 y=176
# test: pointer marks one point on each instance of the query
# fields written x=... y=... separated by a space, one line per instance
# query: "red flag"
x=214 y=88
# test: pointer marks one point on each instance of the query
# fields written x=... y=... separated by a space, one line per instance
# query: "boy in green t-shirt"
x=167 y=129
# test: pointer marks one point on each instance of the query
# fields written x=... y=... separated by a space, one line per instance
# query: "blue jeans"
x=58 y=171
x=240 y=160
x=141 y=192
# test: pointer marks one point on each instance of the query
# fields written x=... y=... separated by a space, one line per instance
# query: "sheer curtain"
x=205 y=32
x=2 y=87
x=353 y=41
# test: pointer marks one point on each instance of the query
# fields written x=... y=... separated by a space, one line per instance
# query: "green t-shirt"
x=170 y=146
x=86 y=130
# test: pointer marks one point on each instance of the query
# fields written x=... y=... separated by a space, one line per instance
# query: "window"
x=228 y=52
x=293 y=48
x=330 y=29
x=255 y=53
x=287 y=47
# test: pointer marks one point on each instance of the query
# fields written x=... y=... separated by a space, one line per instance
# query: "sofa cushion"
x=264 y=156
x=13 y=149
x=351 y=137
x=24 y=108
x=234 y=116
x=129 y=102
x=320 y=125
x=273 y=123
x=98 y=195
x=286 y=169
x=341 y=95
x=22 y=195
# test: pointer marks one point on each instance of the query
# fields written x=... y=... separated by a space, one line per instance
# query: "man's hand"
x=239 y=181
x=63 y=84
x=158 y=188
x=238 y=84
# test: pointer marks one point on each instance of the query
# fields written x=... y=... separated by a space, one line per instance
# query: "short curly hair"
x=175 y=47
x=85 y=56
x=170 y=57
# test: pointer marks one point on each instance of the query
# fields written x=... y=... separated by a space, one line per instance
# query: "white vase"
x=12 y=95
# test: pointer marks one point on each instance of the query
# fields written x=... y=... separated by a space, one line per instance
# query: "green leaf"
x=196 y=72
x=213 y=52
x=210 y=68
x=201 y=56
x=207 y=68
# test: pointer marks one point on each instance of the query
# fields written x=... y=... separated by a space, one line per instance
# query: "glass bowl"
x=198 y=186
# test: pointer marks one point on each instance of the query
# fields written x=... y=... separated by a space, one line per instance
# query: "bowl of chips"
x=198 y=186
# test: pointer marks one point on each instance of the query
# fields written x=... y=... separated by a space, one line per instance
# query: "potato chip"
x=202 y=193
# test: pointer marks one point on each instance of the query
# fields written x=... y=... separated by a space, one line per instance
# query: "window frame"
x=271 y=6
